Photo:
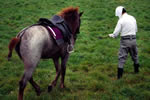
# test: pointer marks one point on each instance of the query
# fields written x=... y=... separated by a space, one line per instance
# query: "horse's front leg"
x=57 y=67
x=63 y=70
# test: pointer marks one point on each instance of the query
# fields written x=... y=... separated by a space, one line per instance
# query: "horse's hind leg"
x=22 y=85
x=29 y=68
x=23 y=82
x=53 y=84
x=36 y=87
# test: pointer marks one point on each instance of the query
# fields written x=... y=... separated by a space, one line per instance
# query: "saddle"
x=57 y=22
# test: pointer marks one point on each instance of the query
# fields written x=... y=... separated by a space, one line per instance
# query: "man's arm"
x=135 y=23
x=136 y=29
x=116 y=31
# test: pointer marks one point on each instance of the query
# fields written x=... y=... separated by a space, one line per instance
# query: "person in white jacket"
x=127 y=26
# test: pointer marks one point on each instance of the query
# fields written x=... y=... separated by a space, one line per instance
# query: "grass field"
x=92 y=68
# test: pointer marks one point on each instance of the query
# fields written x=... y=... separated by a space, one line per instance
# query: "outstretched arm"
x=116 y=31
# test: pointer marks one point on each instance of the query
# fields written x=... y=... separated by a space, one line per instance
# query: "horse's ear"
x=80 y=14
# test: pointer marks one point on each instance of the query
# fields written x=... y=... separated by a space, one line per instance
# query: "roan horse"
x=36 y=43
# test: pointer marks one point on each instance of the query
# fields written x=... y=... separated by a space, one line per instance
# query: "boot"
x=120 y=72
x=136 y=68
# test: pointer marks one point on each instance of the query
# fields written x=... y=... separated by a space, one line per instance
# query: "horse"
x=35 y=43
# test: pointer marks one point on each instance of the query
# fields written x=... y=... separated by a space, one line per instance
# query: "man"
x=127 y=27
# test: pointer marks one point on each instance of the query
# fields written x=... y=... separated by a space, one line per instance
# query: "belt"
x=128 y=37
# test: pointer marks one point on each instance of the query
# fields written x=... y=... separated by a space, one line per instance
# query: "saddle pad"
x=57 y=34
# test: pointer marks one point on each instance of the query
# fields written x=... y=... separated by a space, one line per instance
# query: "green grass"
x=92 y=68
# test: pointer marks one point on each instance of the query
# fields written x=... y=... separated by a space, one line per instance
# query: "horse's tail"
x=12 y=45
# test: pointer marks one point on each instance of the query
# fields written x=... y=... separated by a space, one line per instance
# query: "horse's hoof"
x=38 y=93
x=62 y=86
x=8 y=58
x=50 y=88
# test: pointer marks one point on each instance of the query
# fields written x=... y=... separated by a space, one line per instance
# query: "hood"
x=119 y=11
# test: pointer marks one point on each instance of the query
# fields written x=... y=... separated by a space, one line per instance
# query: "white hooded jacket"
x=126 y=24
x=119 y=11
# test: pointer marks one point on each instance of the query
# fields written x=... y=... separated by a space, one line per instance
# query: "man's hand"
x=111 y=35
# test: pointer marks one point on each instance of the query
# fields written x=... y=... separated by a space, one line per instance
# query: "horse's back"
x=33 y=42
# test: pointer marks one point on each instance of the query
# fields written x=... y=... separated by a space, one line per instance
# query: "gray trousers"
x=127 y=45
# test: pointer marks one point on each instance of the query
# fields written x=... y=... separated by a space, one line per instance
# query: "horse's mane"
x=69 y=11
x=70 y=14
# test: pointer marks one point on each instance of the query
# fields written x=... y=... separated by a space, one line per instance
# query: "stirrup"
x=70 y=48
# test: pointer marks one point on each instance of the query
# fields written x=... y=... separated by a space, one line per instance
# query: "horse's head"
x=72 y=17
